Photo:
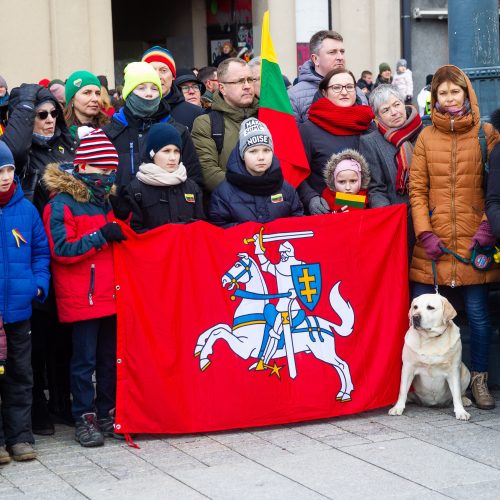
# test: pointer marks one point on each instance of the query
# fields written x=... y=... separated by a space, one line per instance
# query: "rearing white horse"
x=313 y=335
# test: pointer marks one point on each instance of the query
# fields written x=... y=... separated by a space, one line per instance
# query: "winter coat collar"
x=307 y=73
x=235 y=114
x=60 y=181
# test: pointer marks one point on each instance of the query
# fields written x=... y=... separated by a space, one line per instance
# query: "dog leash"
x=449 y=252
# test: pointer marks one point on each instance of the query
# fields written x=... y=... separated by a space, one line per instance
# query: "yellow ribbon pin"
x=19 y=237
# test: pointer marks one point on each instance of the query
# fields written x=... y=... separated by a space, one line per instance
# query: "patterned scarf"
x=401 y=138
x=337 y=120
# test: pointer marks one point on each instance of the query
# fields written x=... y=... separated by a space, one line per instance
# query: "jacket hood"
x=235 y=114
x=57 y=180
x=474 y=106
x=235 y=163
x=308 y=74
x=335 y=159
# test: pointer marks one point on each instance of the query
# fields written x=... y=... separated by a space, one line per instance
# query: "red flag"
x=203 y=338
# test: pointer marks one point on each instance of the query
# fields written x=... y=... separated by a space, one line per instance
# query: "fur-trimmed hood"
x=335 y=159
x=58 y=180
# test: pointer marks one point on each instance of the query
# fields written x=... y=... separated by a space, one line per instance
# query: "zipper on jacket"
x=91 y=284
x=453 y=215
x=132 y=166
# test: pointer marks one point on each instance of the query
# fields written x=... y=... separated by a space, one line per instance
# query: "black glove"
x=28 y=93
x=112 y=232
x=121 y=206
x=318 y=206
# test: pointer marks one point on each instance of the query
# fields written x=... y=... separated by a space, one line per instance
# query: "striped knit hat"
x=159 y=54
x=96 y=150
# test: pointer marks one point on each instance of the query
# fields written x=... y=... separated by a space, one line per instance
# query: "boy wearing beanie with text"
x=161 y=193
x=254 y=189
x=81 y=235
x=24 y=277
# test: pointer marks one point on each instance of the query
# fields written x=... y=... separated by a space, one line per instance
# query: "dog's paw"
x=466 y=401
x=462 y=415
x=396 y=410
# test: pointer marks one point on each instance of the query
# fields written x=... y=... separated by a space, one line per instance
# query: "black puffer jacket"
x=154 y=206
x=183 y=112
x=32 y=155
x=493 y=191
x=231 y=205
x=128 y=134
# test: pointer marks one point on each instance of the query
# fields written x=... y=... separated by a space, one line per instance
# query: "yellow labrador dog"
x=432 y=358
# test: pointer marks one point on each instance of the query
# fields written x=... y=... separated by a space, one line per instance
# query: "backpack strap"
x=484 y=148
x=217 y=129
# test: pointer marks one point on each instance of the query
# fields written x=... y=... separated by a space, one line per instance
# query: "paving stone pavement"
x=424 y=454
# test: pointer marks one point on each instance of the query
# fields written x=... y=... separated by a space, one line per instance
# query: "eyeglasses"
x=43 y=115
x=241 y=81
x=337 y=89
x=195 y=87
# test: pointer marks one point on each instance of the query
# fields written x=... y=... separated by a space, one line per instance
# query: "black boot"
x=87 y=431
x=41 y=423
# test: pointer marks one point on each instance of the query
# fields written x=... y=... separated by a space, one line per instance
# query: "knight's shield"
x=307 y=282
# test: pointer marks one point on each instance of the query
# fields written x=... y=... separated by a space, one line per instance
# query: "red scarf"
x=7 y=195
x=401 y=139
x=337 y=120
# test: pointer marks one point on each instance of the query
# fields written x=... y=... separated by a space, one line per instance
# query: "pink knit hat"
x=348 y=164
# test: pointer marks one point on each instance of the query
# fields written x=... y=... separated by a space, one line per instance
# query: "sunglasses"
x=43 y=115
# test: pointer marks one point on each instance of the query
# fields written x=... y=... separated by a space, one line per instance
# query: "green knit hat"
x=77 y=81
x=136 y=73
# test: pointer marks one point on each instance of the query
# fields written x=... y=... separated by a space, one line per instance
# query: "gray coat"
x=302 y=93
x=379 y=154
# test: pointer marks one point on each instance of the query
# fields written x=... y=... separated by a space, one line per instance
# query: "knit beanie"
x=401 y=62
x=254 y=133
x=383 y=67
x=54 y=82
x=77 y=81
x=161 y=135
x=96 y=150
x=347 y=164
x=136 y=73
x=3 y=82
x=6 y=158
x=159 y=54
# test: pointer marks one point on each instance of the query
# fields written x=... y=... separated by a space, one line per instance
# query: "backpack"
x=217 y=129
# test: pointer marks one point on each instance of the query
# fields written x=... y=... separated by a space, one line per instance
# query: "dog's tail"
x=344 y=309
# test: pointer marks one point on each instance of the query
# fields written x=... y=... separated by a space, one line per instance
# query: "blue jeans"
x=475 y=298
x=94 y=349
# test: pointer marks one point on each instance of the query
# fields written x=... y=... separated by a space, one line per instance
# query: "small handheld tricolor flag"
x=18 y=237
x=351 y=200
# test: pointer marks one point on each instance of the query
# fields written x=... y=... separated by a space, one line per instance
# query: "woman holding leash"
x=447 y=201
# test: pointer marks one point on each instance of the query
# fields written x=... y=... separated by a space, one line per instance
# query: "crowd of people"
x=175 y=146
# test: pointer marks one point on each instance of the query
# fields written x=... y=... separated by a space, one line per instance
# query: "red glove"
x=483 y=236
x=432 y=245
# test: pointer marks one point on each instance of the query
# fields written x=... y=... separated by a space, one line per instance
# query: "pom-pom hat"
x=96 y=150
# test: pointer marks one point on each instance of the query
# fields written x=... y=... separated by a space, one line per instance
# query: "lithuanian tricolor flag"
x=351 y=200
x=276 y=112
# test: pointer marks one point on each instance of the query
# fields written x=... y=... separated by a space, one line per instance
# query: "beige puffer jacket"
x=446 y=194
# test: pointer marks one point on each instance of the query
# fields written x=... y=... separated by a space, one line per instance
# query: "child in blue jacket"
x=24 y=276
